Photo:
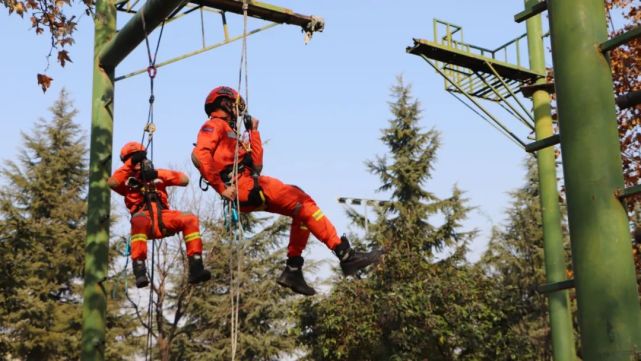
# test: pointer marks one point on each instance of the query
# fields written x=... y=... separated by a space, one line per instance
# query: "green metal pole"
x=555 y=263
x=97 y=243
x=606 y=288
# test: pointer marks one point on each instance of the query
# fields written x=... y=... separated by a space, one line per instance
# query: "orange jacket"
x=216 y=146
x=134 y=199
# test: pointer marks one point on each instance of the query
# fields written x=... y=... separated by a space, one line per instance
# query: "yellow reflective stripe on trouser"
x=192 y=236
x=139 y=237
x=304 y=227
x=317 y=215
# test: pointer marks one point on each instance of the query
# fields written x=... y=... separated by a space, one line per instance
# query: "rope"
x=150 y=127
x=148 y=131
x=234 y=206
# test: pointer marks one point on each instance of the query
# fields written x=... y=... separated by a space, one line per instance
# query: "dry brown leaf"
x=63 y=57
x=44 y=81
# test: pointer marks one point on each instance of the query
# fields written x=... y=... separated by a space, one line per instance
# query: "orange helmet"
x=129 y=149
x=220 y=92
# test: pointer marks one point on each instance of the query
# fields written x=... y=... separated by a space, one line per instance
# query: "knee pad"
x=190 y=219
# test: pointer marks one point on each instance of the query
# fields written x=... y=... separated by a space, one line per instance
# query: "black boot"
x=197 y=272
x=292 y=277
x=352 y=261
x=140 y=272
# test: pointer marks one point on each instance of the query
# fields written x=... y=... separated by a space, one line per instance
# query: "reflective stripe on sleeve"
x=317 y=215
x=192 y=236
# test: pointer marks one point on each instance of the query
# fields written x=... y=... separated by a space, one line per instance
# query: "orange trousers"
x=289 y=200
x=173 y=222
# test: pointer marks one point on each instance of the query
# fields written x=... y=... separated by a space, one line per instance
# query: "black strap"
x=203 y=184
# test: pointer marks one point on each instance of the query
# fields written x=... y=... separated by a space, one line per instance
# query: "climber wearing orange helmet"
x=214 y=156
x=144 y=189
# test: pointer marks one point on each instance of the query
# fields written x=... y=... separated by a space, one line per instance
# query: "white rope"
x=236 y=280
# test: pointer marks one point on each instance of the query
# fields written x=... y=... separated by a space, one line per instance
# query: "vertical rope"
x=148 y=131
x=238 y=236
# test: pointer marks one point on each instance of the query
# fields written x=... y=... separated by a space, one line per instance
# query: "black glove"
x=147 y=171
x=132 y=182
x=137 y=157
x=247 y=119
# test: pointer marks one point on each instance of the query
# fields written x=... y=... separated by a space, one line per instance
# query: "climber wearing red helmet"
x=144 y=189
x=214 y=156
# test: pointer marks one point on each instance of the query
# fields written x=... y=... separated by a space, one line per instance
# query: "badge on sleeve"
x=207 y=129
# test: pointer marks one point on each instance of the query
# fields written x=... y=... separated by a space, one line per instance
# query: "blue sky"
x=321 y=105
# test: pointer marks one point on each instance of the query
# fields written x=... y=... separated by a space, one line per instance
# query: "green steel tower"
x=605 y=281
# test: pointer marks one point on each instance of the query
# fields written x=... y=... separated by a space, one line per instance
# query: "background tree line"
x=424 y=301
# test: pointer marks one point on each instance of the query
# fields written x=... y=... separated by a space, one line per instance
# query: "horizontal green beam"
x=623 y=101
x=621 y=39
x=628 y=192
x=557 y=286
x=196 y=52
x=543 y=143
x=533 y=11
x=629 y=100
x=132 y=34
x=267 y=12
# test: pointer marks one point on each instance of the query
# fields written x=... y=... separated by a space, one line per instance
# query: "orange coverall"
x=214 y=155
x=141 y=217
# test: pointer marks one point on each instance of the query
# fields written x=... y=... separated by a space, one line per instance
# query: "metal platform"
x=467 y=59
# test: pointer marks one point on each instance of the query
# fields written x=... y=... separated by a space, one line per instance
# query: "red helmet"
x=223 y=92
x=129 y=149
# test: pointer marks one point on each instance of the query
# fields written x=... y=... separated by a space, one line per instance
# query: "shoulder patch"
x=207 y=129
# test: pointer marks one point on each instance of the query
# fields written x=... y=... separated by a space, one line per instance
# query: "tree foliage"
x=626 y=70
x=43 y=212
x=424 y=301
x=264 y=310
x=515 y=262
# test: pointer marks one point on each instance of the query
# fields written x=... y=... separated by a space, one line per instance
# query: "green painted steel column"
x=555 y=263
x=97 y=243
x=609 y=317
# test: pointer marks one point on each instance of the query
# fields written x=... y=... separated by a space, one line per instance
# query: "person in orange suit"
x=214 y=155
x=144 y=189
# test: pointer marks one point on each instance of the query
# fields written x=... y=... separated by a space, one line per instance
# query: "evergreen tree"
x=515 y=261
x=42 y=234
x=422 y=302
x=264 y=309
x=42 y=225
